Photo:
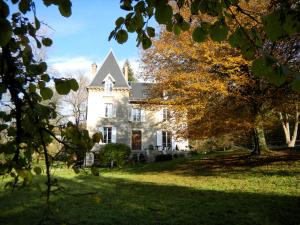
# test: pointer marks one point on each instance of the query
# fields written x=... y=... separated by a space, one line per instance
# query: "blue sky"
x=82 y=38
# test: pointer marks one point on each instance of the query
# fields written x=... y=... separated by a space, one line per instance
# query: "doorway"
x=136 y=140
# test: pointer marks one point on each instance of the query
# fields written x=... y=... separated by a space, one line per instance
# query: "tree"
x=24 y=78
x=275 y=23
x=130 y=71
x=213 y=84
x=77 y=101
x=286 y=117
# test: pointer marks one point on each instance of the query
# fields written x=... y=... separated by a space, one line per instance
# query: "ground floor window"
x=107 y=134
x=166 y=139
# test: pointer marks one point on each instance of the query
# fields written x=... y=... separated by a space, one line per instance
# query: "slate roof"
x=138 y=90
x=109 y=66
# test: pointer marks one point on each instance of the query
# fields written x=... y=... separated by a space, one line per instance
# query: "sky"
x=82 y=39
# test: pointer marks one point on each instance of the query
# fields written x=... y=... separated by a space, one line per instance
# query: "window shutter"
x=143 y=117
x=173 y=142
x=159 y=138
x=114 y=135
x=101 y=129
x=130 y=113
x=114 y=110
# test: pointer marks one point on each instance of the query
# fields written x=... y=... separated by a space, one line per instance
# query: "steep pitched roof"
x=109 y=66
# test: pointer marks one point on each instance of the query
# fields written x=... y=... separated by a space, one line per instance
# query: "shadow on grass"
x=200 y=166
x=120 y=201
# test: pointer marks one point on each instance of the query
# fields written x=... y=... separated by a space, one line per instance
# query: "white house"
x=116 y=108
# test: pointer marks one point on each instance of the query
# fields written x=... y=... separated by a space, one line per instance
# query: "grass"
x=205 y=189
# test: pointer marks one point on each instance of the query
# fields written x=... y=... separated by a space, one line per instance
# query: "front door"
x=136 y=143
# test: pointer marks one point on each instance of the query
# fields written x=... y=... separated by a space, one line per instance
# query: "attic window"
x=108 y=86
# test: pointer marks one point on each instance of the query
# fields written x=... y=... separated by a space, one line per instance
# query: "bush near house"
x=114 y=154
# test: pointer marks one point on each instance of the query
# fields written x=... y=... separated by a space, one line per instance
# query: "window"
x=166 y=139
x=136 y=114
x=166 y=114
x=145 y=94
x=108 y=86
x=107 y=134
x=108 y=110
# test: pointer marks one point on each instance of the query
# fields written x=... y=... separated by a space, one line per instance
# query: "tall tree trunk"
x=260 y=144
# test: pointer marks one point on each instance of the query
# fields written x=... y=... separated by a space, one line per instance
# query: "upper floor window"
x=136 y=114
x=166 y=114
x=108 y=110
x=108 y=86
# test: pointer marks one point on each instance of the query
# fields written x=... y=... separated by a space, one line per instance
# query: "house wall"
x=150 y=127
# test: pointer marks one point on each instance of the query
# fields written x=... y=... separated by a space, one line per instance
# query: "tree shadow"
x=224 y=165
x=121 y=201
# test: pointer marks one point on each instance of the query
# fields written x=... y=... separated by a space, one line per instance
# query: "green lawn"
x=197 y=190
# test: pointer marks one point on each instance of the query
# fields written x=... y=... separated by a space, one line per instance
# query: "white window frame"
x=166 y=114
x=108 y=110
x=166 y=137
x=108 y=86
x=107 y=135
x=136 y=114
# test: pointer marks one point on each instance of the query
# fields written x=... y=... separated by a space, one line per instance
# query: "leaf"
x=126 y=5
x=185 y=26
x=119 y=22
x=199 y=34
x=218 y=31
x=32 y=88
x=65 y=8
x=47 y=42
x=6 y=32
x=73 y=84
x=95 y=171
x=163 y=13
x=176 y=29
x=266 y=66
x=37 y=170
x=273 y=25
x=62 y=87
x=146 y=42
x=37 y=23
x=45 y=77
x=150 y=31
x=24 y=6
x=122 y=36
x=4 y=9
x=46 y=93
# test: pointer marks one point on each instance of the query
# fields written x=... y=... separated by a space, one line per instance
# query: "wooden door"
x=136 y=143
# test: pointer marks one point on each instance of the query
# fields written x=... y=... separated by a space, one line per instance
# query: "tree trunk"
x=290 y=140
x=260 y=144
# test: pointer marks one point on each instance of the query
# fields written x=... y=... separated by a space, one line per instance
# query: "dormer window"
x=108 y=86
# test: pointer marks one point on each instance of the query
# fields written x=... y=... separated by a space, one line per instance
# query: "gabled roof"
x=109 y=66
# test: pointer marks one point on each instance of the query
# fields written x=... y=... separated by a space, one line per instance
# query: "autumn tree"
x=131 y=77
x=275 y=23
x=213 y=83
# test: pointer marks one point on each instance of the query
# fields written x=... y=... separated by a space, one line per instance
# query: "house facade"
x=116 y=108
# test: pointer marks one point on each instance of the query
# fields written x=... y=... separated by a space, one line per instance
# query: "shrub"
x=114 y=154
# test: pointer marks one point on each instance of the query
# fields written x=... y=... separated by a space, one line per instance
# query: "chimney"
x=94 y=69
x=126 y=71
